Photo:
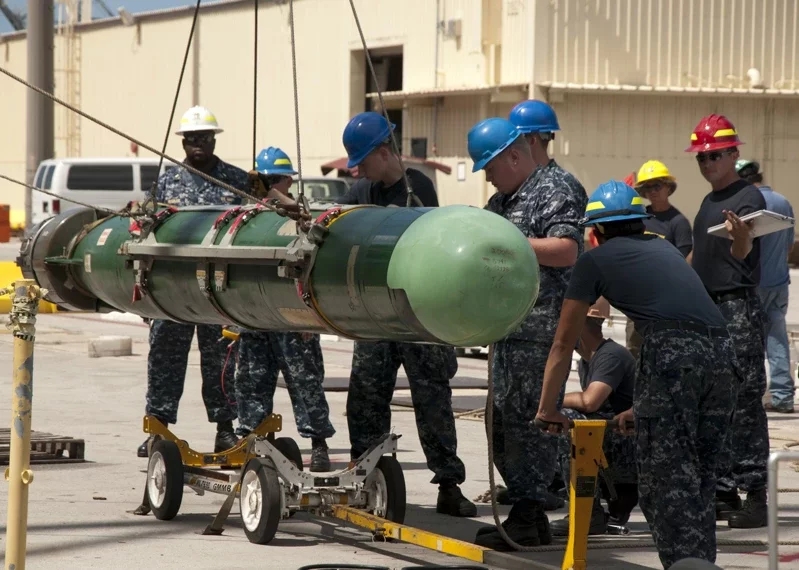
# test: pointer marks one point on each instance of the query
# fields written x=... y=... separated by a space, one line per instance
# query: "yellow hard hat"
x=652 y=170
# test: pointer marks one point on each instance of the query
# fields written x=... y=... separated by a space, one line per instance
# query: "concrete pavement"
x=78 y=513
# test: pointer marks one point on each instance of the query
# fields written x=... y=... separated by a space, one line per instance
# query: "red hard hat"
x=713 y=132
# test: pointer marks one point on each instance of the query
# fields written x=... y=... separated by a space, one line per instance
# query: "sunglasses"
x=645 y=188
x=197 y=140
x=713 y=156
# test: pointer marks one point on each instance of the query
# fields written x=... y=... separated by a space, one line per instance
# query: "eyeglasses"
x=197 y=140
x=713 y=156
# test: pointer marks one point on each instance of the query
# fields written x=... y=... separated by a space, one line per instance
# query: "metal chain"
x=411 y=196
x=191 y=169
x=303 y=201
x=154 y=187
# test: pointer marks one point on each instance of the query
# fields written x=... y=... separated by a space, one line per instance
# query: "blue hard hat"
x=614 y=201
x=272 y=160
x=488 y=138
x=364 y=133
x=534 y=117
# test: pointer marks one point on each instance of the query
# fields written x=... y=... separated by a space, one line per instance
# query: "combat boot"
x=225 y=437
x=753 y=513
x=727 y=502
x=142 y=451
x=452 y=502
x=521 y=526
x=599 y=522
x=320 y=460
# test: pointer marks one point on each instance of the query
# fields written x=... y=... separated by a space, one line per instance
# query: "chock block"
x=110 y=346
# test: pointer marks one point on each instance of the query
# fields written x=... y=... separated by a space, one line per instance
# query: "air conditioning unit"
x=452 y=28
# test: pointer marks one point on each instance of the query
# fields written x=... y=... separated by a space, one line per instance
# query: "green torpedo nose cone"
x=470 y=275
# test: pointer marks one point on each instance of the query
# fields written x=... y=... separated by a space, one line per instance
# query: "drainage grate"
x=46 y=448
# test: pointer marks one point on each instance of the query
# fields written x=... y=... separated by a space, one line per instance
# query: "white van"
x=102 y=182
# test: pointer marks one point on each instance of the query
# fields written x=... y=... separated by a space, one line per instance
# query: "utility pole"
x=40 y=130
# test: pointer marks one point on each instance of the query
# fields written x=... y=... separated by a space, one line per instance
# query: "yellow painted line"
x=10 y=272
x=412 y=535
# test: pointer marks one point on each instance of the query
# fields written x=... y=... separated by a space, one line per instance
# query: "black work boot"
x=551 y=502
x=320 y=460
x=225 y=437
x=727 y=502
x=753 y=513
x=599 y=523
x=521 y=526
x=626 y=499
x=544 y=527
x=452 y=502
x=142 y=451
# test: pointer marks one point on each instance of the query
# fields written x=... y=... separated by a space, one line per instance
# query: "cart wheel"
x=289 y=448
x=259 y=500
x=386 y=487
x=165 y=479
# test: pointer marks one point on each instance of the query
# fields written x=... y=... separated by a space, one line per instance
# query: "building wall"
x=712 y=43
x=608 y=136
x=129 y=76
x=12 y=144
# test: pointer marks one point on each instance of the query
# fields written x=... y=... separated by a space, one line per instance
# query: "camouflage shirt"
x=550 y=203
x=179 y=187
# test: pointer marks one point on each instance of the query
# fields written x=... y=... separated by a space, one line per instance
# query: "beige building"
x=629 y=79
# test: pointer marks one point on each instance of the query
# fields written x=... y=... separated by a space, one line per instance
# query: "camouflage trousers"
x=170 y=343
x=633 y=338
x=684 y=399
x=261 y=356
x=429 y=369
x=524 y=455
x=747 y=447
x=619 y=451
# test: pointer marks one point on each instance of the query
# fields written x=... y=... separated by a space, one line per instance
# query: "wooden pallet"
x=46 y=448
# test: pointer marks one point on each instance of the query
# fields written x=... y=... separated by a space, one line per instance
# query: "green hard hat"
x=743 y=163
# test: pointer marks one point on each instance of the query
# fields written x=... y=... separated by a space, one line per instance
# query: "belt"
x=739 y=293
x=705 y=330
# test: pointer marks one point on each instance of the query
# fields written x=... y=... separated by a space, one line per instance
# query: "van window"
x=39 y=176
x=48 y=178
x=100 y=177
x=149 y=174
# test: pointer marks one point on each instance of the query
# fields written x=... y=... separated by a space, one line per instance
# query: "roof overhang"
x=340 y=164
x=554 y=87
x=506 y=93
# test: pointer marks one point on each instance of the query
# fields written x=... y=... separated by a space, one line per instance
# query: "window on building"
x=100 y=177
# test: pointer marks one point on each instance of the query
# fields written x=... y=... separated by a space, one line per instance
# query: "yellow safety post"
x=25 y=298
x=587 y=457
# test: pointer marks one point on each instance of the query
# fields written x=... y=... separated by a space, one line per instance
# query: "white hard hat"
x=198 y=119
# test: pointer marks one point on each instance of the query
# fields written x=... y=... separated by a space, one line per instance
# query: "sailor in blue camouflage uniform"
x=375 y=364
x=170 y=342
x=730 y=270
x=607 y=378
x=546 y=203
x=262 y=355
x=685 y=385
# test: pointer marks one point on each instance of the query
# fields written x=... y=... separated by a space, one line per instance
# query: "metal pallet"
x=46 y=448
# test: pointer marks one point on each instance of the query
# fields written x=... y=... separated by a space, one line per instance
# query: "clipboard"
x=764 y=223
